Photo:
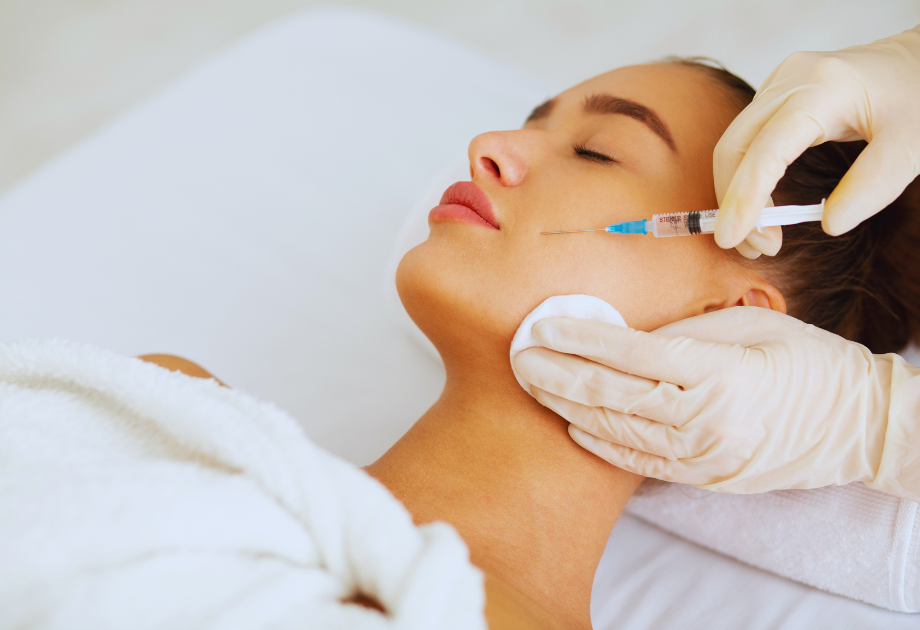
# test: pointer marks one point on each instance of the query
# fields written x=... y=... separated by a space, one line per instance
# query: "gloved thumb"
x=878 y=176
x=652 y=356
x=738 y=326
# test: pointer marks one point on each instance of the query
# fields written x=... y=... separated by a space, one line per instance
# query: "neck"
x=535 y=509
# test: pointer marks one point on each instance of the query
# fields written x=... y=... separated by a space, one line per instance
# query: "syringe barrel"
x=683 y=223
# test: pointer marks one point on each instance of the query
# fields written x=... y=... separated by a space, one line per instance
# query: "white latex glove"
x=866 y=92
x=774 y=404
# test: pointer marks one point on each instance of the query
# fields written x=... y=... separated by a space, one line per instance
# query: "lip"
x=465 y=202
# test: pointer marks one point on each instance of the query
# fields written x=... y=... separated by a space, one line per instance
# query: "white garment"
x=849 y=540
x=134 y=497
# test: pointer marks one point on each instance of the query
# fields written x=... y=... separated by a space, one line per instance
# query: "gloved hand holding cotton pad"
x=818 y=411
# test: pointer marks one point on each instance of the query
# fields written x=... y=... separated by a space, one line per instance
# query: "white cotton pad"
x=580 y=306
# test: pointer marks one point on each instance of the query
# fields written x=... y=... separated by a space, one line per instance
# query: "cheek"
x=668 y=280
x=652 y=282
x=456 y=286
x=601 y=265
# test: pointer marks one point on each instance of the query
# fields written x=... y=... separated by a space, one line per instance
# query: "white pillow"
x=243 y=218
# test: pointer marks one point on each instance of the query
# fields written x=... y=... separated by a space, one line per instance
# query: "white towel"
x=134 y=497
x=849 y=540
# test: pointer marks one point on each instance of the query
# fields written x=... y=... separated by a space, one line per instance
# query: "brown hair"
x=863 y=285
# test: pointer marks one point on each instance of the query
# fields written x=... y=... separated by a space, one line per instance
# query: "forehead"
x=690 y=103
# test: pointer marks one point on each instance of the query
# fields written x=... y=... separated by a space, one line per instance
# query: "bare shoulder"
x=179 y=364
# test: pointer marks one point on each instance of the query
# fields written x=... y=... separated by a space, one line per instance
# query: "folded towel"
x=849 y=540
x=134 y=497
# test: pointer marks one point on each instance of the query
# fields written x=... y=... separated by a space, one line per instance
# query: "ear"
x=754 y=291
x=767 y=297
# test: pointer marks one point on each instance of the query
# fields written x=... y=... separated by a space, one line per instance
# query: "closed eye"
x=594 y=156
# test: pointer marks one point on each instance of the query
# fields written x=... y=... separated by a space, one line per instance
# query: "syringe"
x=704 y=221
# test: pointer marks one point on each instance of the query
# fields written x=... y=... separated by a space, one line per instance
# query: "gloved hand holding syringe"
x=729 y=400
x=704 y=221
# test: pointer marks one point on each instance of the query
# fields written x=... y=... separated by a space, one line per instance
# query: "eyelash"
x=593 y=156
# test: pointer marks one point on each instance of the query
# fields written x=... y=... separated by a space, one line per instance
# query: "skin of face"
x=468 y=287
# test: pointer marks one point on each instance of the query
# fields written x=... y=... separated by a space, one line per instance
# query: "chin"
x=446 y=302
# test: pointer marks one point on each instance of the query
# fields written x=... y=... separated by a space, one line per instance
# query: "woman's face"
x=622 y=146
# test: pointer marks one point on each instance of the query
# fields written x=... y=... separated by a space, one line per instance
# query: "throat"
x=535 y=509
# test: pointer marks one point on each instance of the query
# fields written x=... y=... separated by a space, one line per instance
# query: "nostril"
x=489 y=166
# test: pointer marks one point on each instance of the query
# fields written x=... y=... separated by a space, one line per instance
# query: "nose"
x=501 y=156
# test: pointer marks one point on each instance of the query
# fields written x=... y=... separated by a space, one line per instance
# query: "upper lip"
x=473 y=197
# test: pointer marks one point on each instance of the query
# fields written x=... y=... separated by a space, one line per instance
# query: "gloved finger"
x=628 y=459
x=767 y=242
x=784 y=138
x=655 y=357
x=632 y=432
x=578 y=379
x=737 y=138
x=729 y=152
x=748 y=251
x=878 y=176
x=590 y=384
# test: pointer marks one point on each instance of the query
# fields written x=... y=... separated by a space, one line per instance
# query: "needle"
x=574 y=231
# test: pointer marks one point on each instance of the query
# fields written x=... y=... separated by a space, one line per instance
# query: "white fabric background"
x=69 y=66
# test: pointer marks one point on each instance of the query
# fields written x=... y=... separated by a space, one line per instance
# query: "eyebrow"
x=609 y=104
x=541 y=111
